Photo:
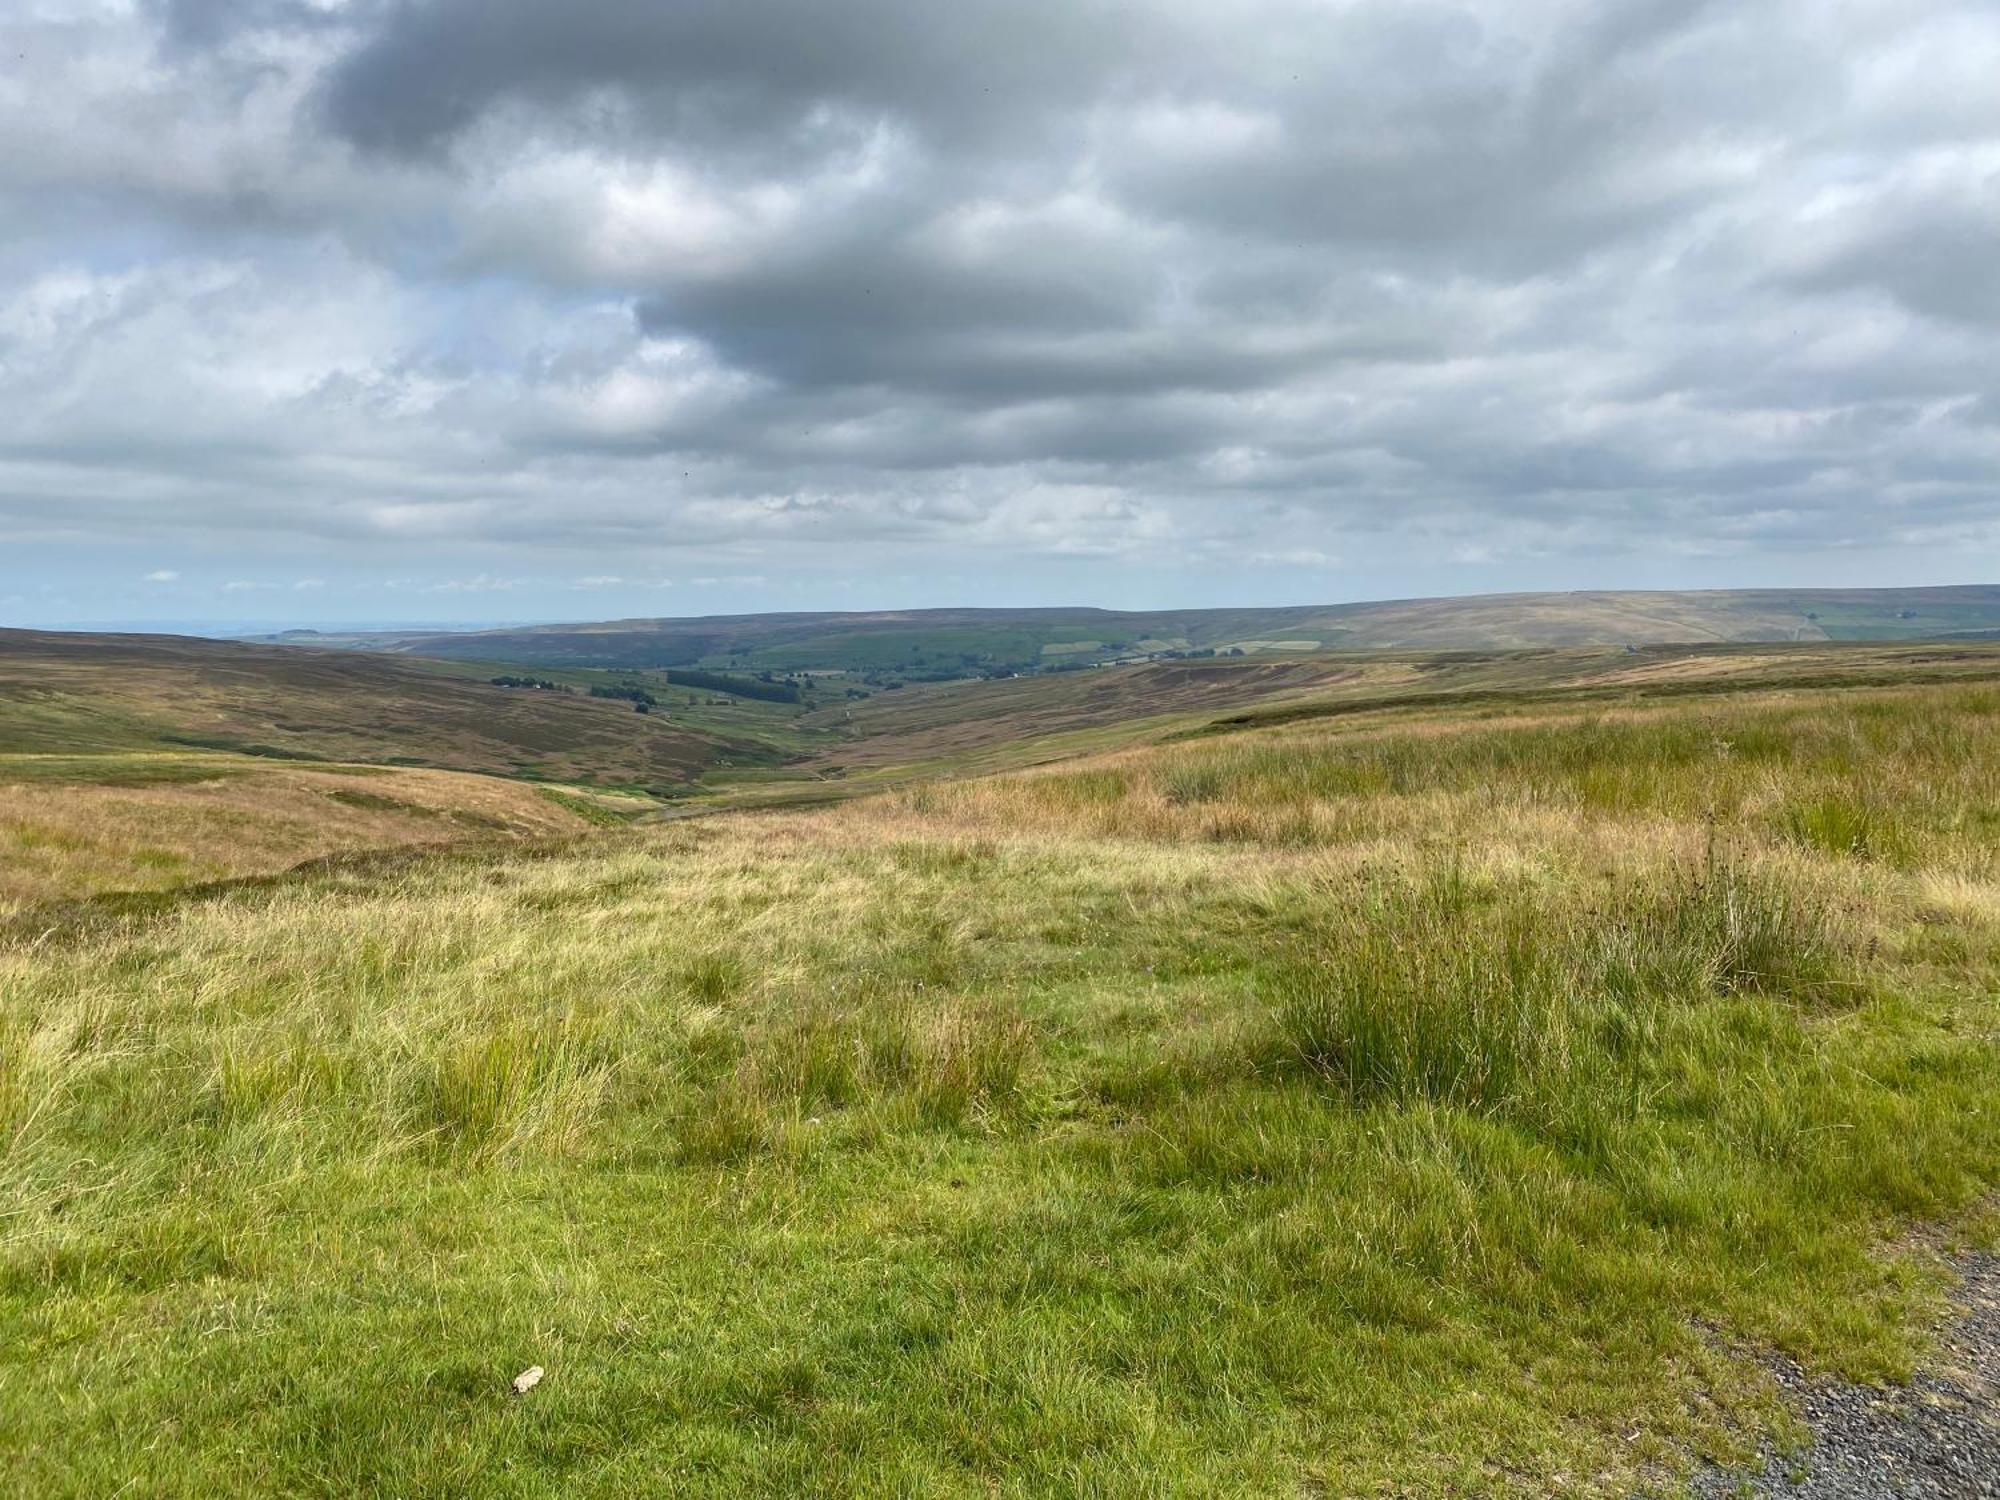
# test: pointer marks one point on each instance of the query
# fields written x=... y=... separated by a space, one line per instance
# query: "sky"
x=326 y=311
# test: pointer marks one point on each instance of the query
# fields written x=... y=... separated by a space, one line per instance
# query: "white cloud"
x=1560 y=291
x=484 y=583
x=600 y=581
x=1294 y=557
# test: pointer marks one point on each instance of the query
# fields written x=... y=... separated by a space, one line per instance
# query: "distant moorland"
x=939 y=643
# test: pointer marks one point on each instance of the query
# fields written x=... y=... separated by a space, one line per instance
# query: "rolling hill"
x=117 y=695
x=970 y=642
x=69 y=693
x=74 y=828
x=959 y=728
x=1430 y=1074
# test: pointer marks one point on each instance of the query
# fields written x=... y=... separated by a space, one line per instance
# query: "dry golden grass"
x=1893 y=777
x=180 y=820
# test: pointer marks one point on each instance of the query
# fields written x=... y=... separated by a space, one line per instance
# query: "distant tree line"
x=541 y=683
x=764 y=687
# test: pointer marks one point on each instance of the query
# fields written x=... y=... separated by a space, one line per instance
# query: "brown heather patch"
x=63 y=840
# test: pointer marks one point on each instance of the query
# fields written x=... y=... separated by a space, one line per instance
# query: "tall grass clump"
x=1411 y=996
x=1846 y=825
x=1724 y=929
x=935 y=1062
x=1429 y=990
x=713 y=978
x=491 y=1090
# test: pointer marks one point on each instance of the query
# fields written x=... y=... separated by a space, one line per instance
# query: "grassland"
x=76 y=827
x=949 y=728
x=147 y=764
x=968 y=642
x=1435 y=1094
x=67 y=693
x=742 y=732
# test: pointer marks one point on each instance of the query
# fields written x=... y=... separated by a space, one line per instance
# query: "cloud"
x=483 y=584
x=163 y=575
x=1034 y=296
x=1294 y=557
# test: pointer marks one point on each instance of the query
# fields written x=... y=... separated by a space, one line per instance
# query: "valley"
x=1381 y=1072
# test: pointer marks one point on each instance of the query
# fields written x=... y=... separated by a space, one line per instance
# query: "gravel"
x=1936 y=1439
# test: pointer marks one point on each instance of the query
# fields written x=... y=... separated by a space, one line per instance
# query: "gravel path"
x=1937 y=1439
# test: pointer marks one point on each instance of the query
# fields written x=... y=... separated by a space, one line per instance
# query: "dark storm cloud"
x=1556 y=289
x=201 y=24
x=731 y=75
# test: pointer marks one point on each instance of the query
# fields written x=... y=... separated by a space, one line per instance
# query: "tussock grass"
x=1846 y=825
x=1437 y=991
x=894 y=1067
x=75 y=826
x=1432 y=1108
x=1908 y=777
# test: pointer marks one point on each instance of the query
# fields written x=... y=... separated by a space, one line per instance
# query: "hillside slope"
x=76 y=827
x=114 y=695
x=981 y=725
x=69 y=693
x=969 y=641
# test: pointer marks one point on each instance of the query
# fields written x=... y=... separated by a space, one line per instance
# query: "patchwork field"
x=1449 y=1083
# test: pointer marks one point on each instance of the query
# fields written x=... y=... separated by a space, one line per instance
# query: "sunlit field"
x=1392 y=1105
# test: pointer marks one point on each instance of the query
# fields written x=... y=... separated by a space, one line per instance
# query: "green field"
x=1429 y=1075
x=925 y=644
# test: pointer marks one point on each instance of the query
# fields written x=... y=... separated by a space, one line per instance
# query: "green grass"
x=966 y=648
x=167 y=768
x=602 y=809
x=1907 y=777
x=756 y=732
x=1440 y=1108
